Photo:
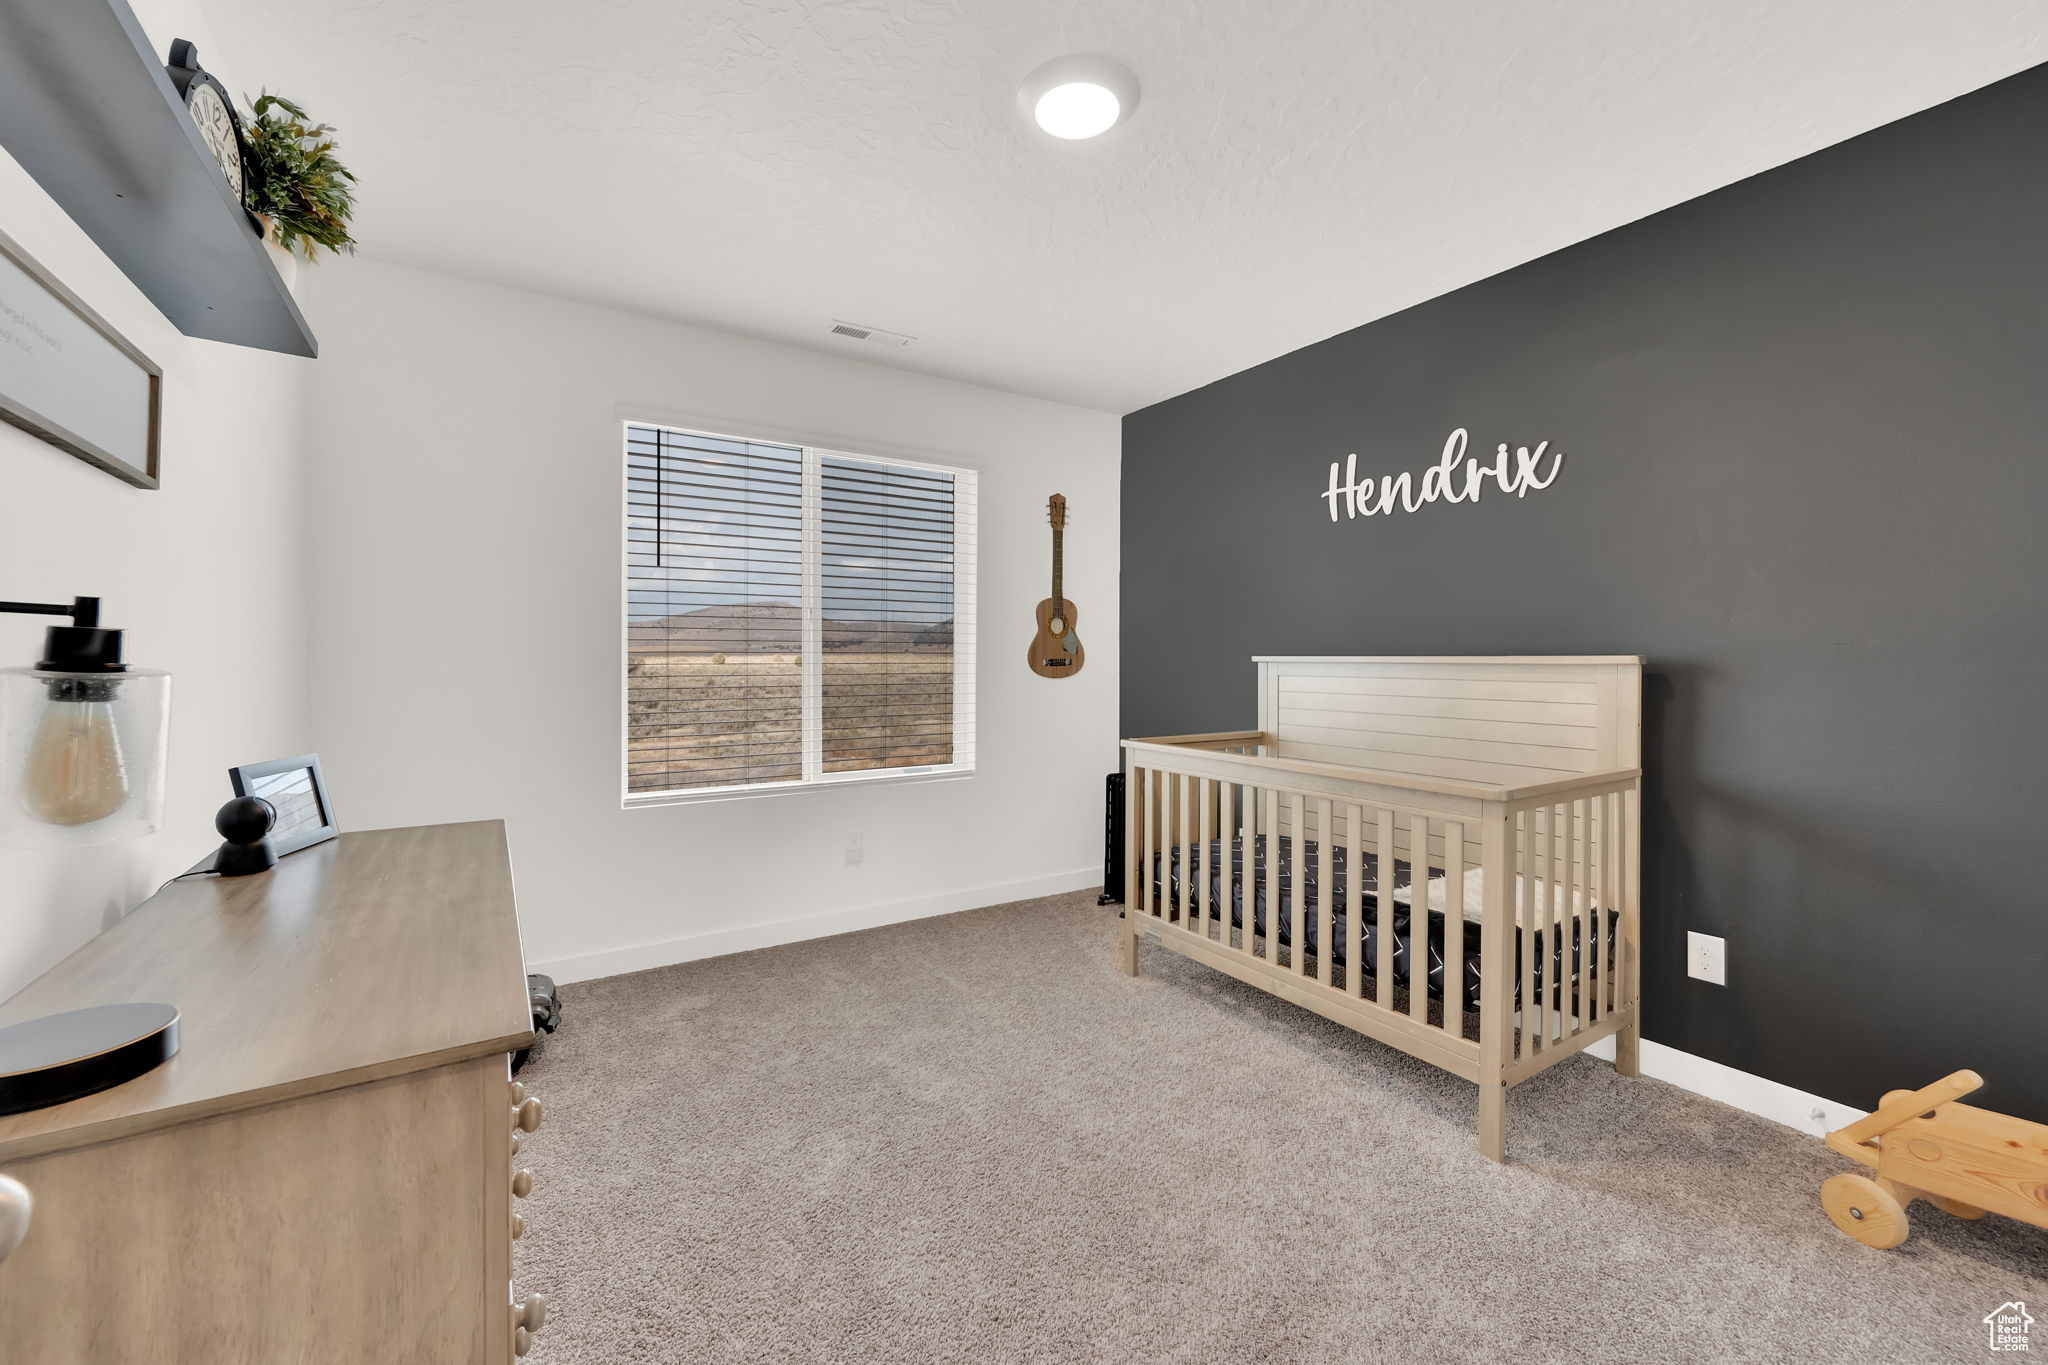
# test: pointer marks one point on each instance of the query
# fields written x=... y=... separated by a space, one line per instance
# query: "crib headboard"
x=1507 y=720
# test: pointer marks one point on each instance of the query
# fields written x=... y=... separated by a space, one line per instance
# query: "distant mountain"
x=774 y=628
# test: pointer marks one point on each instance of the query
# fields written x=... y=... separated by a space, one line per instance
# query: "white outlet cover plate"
x=1706 y=958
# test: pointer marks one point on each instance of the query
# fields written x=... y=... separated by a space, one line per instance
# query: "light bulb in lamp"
x=82 y=737
x=74 y=772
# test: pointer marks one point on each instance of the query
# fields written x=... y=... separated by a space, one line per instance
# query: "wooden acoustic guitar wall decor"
x=1055 y=650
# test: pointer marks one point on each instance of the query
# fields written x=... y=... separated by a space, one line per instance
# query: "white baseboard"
x=640 y=957
x=1751 y=1094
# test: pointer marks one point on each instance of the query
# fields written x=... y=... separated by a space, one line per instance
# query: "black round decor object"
x=61 y=1057
x=245 y=819
x=245 y=824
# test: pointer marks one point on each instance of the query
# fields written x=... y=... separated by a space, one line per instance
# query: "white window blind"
x=793 y=615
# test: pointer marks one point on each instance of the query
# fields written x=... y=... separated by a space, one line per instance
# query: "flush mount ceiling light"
x=1079 y=97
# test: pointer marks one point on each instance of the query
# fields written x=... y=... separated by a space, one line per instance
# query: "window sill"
x=886 y=777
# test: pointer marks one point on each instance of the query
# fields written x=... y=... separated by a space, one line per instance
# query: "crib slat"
x=1546 y=933
x=1454 y=928
x=1154 y=786
x=1218 y=883
x=1205 y=795
x=1597 y=840
x=1252 y=870
x=1323 y=889
x=1596 y=893
x=1187 y=853
x=1227 y=850
x=1143 y=835
x=1162 y=841
x=1525 y=919
x=1608 y=883
x=1610 y=924
x=1418 y=917
x=1552 y=917
x=1582 y=877
x=1567 y=974
x=1571 y=942
x=1354 y=948
x=1240 y=827
x=1622 y=991
x=1134 y=841
x=1270 y=825
x=1566 y=981
x=1297 y=956
x=1602 y=1004
x=1383 y=991
x=1560 y=911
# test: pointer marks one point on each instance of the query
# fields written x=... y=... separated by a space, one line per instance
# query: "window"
x=794 y=616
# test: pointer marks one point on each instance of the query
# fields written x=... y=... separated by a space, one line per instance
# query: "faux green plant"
x=294 y=179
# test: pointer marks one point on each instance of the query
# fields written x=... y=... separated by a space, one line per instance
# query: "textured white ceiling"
x=1296 y=167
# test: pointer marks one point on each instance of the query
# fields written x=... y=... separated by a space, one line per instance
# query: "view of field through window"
x=715 y=677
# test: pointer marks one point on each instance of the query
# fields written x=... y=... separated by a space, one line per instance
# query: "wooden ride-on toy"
x=1921 y=1144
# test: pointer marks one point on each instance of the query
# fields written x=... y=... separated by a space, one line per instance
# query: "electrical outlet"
x=856 y=847
x=1706 y=958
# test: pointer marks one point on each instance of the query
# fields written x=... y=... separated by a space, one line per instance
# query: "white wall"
x=466 y=527
x=207 y=574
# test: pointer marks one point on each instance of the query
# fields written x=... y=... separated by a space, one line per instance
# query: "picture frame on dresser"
x=69 y=378
x=297 y=790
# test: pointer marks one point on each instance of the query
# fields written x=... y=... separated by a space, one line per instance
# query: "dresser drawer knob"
x=518 y=1227
x=522 y=1184
x=527 y=1116
x=518 y=1093
x=529 y=1315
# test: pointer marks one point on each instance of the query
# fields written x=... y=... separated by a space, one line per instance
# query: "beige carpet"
x=971 y=1139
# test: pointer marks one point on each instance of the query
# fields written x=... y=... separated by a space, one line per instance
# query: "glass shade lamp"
x=82 y=744
x=83 y=737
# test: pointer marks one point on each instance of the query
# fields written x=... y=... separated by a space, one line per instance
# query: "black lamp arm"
x=83 y=611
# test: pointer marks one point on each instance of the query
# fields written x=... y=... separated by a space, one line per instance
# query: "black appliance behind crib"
x=1112 y=842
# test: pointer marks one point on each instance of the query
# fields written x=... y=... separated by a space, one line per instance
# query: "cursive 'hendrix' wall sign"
x=1517 y=471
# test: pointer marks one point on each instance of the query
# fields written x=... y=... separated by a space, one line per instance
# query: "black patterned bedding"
x=1563 y=949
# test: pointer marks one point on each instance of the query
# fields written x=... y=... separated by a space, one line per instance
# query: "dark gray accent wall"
x=1806 y=425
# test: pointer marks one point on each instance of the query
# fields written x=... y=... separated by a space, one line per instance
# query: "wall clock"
x=206 y=99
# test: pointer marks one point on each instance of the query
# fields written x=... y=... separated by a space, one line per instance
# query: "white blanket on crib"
x=1534 y=894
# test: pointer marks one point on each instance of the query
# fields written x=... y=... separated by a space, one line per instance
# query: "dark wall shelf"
x=87 y=108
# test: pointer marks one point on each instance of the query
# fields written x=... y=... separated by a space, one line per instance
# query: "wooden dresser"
x=326 y=1170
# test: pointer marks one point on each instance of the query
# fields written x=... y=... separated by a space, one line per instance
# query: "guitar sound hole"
x=1058 y=627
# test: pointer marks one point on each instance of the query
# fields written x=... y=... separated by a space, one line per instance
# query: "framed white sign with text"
x=68 y=377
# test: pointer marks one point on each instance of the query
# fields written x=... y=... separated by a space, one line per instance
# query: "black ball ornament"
x=245 y=824
x=245 y=819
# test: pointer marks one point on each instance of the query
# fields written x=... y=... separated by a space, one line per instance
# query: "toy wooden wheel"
x=1865 y=1210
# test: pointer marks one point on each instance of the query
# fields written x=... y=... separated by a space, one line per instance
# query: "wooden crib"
x=1514 y=782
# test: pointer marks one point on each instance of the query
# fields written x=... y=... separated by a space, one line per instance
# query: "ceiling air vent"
x=874 y=336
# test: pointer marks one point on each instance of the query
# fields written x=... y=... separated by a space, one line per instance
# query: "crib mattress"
x=1559 y=947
